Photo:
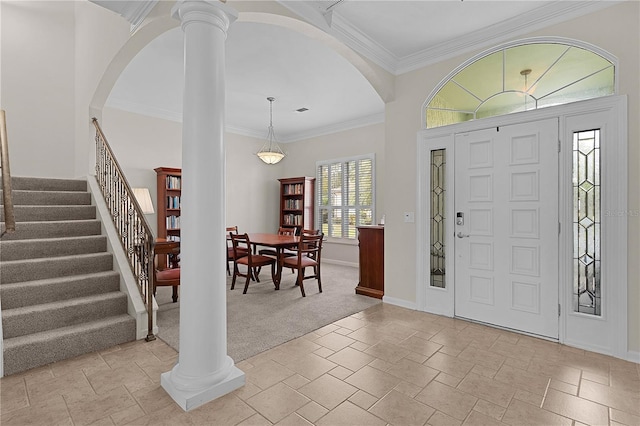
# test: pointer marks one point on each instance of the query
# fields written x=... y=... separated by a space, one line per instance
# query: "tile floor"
x=385 y=365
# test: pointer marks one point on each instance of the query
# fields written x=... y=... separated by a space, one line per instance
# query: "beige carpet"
x=264 y=318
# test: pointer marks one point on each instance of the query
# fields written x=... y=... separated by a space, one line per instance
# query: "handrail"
x=132 y=227
x=7 y=194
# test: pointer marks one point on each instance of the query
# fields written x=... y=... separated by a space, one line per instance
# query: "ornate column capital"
x=211 y=12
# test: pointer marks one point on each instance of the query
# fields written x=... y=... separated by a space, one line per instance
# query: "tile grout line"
x=545 y=392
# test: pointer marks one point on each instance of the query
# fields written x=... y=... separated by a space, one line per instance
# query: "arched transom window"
x=520 y=77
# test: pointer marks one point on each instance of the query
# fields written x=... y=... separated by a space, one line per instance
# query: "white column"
x=204 y=370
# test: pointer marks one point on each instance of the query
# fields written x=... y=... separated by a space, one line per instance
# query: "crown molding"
x=544 y=16
x=334 y=128
x=539 y=18
x=164 y=114
x=142 y=109
x=133 y=11
x=363 y=44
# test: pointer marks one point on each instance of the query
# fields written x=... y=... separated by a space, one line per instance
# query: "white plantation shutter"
x=345 y=195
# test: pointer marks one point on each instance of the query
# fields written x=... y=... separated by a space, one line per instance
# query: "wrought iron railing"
x=135 y=233
x=7 y=194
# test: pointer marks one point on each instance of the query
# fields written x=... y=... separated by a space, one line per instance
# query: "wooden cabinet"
x=297 y=203
x=169 y=187
x=371 y=243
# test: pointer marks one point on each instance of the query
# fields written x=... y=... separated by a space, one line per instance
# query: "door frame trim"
x=441 y=301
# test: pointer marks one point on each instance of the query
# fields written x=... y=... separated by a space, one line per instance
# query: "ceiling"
x=265 y=60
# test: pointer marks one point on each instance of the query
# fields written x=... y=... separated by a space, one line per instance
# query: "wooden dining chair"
x=230 y=255
x=244 y=256
x=308 y=254
x=166 y=269
x=284 y=253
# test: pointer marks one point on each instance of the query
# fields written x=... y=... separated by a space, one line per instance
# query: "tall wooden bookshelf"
x=297 y=203
x=169 y=187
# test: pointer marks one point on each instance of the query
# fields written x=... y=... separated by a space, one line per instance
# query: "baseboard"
x=633 y=356
x=399 y=302
x=340 y=262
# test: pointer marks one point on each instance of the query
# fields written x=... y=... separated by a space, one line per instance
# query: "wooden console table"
x=371 y=243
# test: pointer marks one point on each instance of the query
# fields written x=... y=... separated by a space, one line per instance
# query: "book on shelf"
x=173 y=222
x=293 y=189
x=293 y=204
x=173 y=202
x=292 y=219
x=174 y=182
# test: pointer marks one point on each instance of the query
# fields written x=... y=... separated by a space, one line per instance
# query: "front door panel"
x=506 y=203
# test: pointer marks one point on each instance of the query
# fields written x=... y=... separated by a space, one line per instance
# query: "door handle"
x=461 y=235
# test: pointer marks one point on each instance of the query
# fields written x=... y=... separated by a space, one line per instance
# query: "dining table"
x=277 y=242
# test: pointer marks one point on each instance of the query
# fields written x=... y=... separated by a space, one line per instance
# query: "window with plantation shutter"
x=345 y=195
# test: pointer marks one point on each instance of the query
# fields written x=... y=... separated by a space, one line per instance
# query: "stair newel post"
x=9 y=217
x=150 y=259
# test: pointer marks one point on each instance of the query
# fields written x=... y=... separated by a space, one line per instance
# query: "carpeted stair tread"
x=38 y=269
x=47 y=316
x=52 y=229
x=44 y=198
x=34 y=213
x=60 y=294
x=51 y=247
x=47 y=184
x=25 y=293
x=26 y=352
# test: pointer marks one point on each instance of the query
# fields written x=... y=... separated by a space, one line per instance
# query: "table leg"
x=278 y=268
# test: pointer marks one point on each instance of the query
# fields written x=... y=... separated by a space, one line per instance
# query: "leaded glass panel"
x=586 y=222
x=438 y=214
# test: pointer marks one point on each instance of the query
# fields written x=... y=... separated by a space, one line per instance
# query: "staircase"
x=59 y=293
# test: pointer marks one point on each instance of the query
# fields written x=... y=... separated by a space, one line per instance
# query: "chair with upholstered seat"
x=308 y=255
x=243 y=256
x=230 y=255
x=166 y=271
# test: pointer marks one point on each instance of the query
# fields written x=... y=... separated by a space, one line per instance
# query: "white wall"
x=51 y=62
x=37 y=86
x=614 y=29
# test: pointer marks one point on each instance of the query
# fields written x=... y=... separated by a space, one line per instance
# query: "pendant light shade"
x=270 y=152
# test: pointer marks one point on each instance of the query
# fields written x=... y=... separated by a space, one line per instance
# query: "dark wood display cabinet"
x=371 y=244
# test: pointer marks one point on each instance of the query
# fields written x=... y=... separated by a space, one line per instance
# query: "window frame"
x=344 y=207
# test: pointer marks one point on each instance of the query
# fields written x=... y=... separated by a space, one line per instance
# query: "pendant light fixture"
x=270 y=152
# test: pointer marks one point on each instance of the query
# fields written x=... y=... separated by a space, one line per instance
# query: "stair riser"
x=48 y=213
x=45 y=350
x=45 y=198
x=36 y=249
x=31 y=293
x=39 y=269
x=46 y=184
x=32 y=230
x=56 y=316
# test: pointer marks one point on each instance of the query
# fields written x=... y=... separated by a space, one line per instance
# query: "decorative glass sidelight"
x=586 y=222
x=437 y=243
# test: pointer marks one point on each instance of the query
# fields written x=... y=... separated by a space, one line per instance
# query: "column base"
x=189 y=400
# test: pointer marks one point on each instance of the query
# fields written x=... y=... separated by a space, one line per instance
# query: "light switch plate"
x=409 y=217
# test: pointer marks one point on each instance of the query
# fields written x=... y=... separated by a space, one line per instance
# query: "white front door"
x=506 y=213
